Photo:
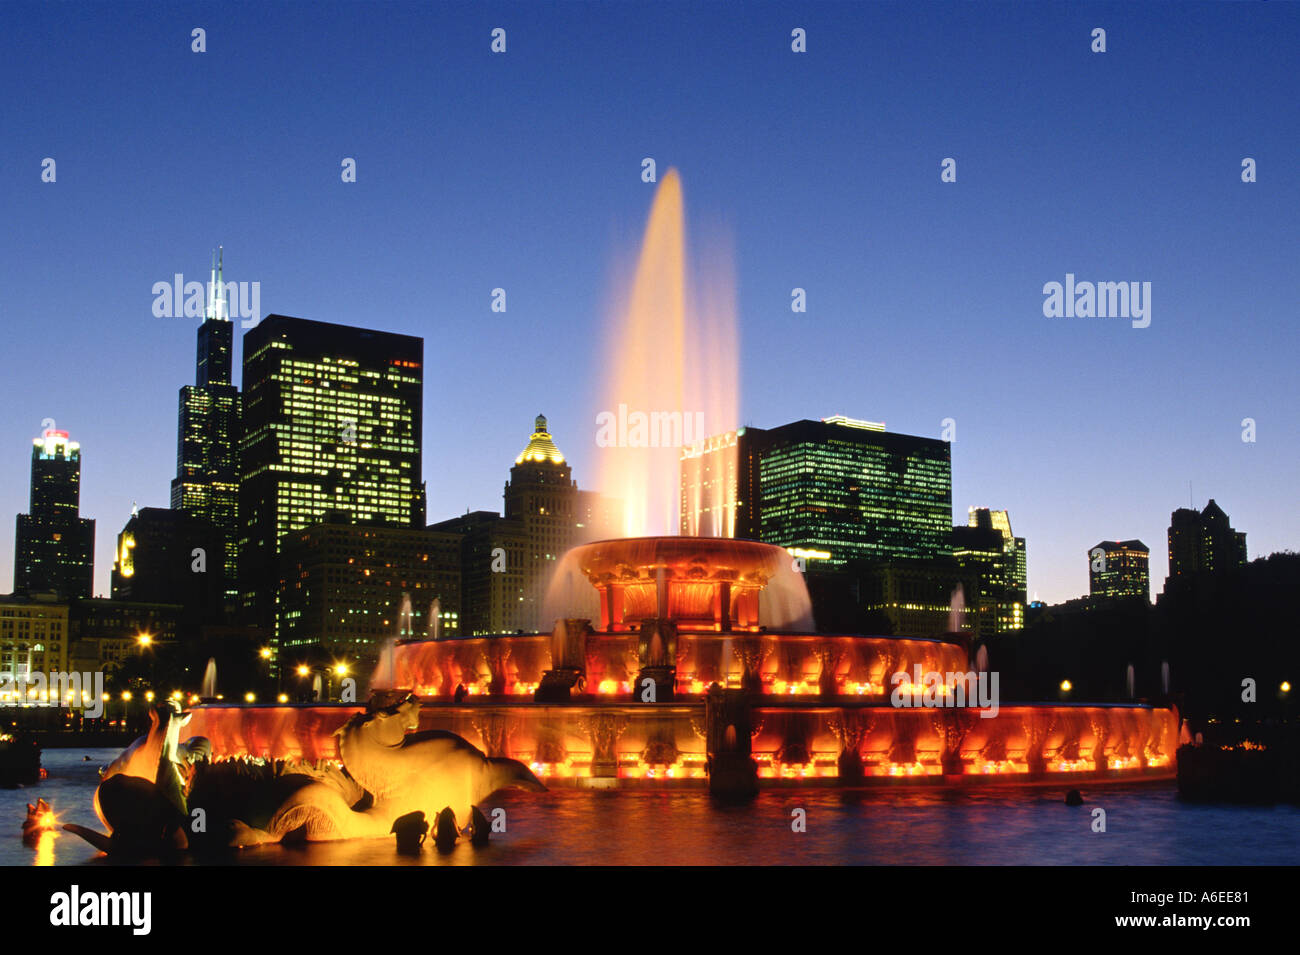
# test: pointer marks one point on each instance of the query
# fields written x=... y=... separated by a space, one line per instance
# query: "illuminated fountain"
x=706 y=627
x=693 y=660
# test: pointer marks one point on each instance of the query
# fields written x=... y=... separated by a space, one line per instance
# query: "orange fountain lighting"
x=672 y=380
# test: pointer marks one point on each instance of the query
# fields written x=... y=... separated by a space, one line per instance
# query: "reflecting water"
x=1146 y=825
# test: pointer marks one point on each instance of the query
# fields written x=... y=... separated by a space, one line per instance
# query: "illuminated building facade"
x=835 y=490
x=1124 y=570
x=1203 y=542
x=54 y=546
x=331 y=431
x=541 y=497
x=715 y=502
x=206 y=485
x=34 y=635
x=850 y=490
x=987 y=547
x=342 y=585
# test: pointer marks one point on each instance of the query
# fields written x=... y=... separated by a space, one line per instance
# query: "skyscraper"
x=542 y=496
x=54 y=547
x=1121 y=569
x=1203 y=542
x=715 y=502
x=493 y=557
x=987 y=547
x=331 y=431
x=206 y=486
x=507 y=562
x=157 y=562
x=837 y=489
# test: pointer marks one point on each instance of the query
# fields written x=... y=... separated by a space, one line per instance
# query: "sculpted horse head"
x=369 y=743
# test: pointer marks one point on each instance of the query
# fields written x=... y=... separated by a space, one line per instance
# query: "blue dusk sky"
x=821 y=169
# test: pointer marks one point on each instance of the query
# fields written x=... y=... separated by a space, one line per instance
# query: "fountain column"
x=733 y=774
x=724 y=606
x=568 y=661
x=657 y=648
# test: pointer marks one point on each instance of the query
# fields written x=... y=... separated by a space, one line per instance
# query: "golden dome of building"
x=540 y=446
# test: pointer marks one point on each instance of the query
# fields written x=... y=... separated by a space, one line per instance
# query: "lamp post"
x=267 y=655
x=144 y=642
x=339 y=670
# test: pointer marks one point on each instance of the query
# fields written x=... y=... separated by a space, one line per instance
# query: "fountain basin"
x=770 y=663
x=780 y=705
x=618 y=743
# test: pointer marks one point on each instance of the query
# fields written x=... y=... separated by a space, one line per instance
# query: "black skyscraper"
x=331 y=431
x=206 y=486
x=54 y=547
x=1203 y=542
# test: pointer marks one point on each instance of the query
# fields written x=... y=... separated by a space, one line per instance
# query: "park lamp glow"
x=808 y=553
x=304 y=670
x=264 y=653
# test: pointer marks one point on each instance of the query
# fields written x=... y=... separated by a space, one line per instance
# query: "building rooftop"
x=540 y=446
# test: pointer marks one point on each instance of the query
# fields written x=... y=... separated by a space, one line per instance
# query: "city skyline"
x=1082 y=429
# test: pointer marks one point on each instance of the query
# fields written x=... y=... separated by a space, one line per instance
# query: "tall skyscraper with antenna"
x=207 y=443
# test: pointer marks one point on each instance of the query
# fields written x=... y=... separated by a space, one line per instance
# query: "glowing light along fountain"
x=690 y=616
x=676 y=660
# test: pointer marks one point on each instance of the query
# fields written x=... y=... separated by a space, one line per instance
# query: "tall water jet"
x=433 y=626
x=956 y=607
x=385 y=675
x=405 y=630
x=208 y=689
x=671 y=377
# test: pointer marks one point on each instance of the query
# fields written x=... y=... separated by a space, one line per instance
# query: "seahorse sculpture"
x=388 y=771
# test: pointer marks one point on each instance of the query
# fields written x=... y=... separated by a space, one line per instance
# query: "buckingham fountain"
x=690 y=674
x=673 y=661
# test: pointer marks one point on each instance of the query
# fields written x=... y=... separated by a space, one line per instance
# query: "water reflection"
x=1147 y=825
